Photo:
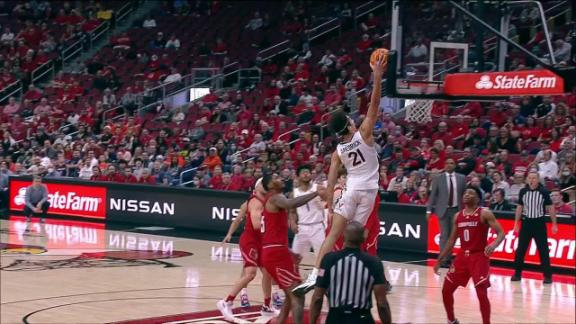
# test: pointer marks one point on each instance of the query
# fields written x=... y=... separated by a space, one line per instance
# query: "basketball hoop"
x=419 y=111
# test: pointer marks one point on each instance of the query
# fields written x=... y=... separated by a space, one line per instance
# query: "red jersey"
x=473 y=233
x=274 y=227
x=249 y=233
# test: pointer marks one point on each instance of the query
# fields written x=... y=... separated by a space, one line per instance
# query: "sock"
x=230 y=298
x=482 y=293
x=244 y=291
x=448 y=297
x=314 y=272
x=267 y=301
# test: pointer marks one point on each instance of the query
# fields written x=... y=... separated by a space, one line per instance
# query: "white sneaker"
x=306 y=286
x=267 y=311
x=225 y=309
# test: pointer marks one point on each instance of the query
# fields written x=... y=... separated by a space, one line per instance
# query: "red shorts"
x=475 y=265
x=372 y=227
x=280 y=264
x=250 y=250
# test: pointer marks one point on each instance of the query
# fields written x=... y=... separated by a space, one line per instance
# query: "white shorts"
x=308 y=236
x=356 y=205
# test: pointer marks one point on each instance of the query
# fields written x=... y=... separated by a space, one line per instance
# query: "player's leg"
x=458 y=275
x=524 y=238
x=541 y=239
x=317 y=237
x=480 y=270
x=267 y=309
x=281 y=266
x=301 y=243
x=225 y=305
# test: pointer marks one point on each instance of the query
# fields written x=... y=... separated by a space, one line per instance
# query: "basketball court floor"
x=76 y=272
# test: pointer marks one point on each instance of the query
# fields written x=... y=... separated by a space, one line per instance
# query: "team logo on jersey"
x=8 y=249
x=105 y=259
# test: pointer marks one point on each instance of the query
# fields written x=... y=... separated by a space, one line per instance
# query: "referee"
x=533 y=203
x=348 y=277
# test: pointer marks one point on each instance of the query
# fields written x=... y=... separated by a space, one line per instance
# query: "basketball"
x=375 y=56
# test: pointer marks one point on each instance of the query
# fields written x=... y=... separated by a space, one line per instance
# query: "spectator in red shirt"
x=33 y=94
x=113 y=175
x=97 y=175
x=364 y=44
x=436 y=162
x=146 y=177
x=216 y=180
x=442 y=133
x=559 y=204
x=522 y=165
x=225 y=184
x=472 y=109
x=220 y=47
x=128 y=176
x=422 y=196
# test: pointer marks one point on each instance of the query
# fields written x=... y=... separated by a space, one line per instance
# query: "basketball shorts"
x=250 y=250
x=475 y=265
x=280 y=264
x=308 y=236
x=356 y=205
x=372 y=227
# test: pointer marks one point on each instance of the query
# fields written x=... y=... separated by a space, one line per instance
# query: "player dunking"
x=307 y=221
x=276 y=257
x=356 y=152
x=250 y=246
x=471 y=226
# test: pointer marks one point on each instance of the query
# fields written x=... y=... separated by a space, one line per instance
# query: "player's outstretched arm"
x=489 y=218
x=448 y=248
x=282 y=202
x=367 y=127
x=236 y=223
x=335 y=164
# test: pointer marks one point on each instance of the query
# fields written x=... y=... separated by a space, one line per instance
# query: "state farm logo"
x=484 y=83
x=529 y=81
x=69 y=201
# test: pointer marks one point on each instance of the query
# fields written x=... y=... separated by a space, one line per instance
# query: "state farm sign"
x=65 y=199
x=518 y=83
x=562 y=245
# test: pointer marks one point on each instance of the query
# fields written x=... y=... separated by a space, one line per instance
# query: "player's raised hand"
x=380 y=66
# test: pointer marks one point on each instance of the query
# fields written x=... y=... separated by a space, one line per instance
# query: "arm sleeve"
x=44 y=193
x=323 y=280
x=27 y=199
x=377 y=271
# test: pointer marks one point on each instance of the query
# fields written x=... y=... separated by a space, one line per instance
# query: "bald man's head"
x=354 y=234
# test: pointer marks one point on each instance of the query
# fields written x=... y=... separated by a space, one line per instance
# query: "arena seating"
x=177 y=145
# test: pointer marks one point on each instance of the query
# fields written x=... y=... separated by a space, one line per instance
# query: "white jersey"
x=313 y=211
x=361 y=163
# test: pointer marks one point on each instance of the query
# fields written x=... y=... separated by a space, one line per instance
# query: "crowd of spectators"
x=33 y=33
x=229 y=138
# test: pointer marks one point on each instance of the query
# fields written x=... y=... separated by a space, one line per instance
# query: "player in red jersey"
x=471 y=226
x=250 y=247
x=277 y=258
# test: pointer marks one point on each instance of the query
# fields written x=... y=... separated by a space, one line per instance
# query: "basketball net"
x=419 y=111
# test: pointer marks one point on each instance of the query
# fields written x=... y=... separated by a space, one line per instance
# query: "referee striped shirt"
x=349 y=276
x=534 y=201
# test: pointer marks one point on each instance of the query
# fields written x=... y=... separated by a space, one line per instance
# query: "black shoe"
x=547 y=280
x=515 y=278
x=454 y=322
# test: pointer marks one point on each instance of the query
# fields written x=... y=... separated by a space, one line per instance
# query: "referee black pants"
x=337 y=316
x=533 y=228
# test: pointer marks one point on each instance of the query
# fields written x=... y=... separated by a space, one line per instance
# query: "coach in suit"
x=446 y=199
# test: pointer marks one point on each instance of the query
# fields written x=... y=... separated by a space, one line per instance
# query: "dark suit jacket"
x=438 y=202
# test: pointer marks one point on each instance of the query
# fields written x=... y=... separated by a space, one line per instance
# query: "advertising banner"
x=562 y=245
x=65 y=199
x=174 y=207
x=516 y=83
x=402 y=228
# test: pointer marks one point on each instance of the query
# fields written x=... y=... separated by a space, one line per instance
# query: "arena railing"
x=12 y=90
x=42 y=70
x=274 y=50
x=99 y=32
x=322 y=29
x=366 y=8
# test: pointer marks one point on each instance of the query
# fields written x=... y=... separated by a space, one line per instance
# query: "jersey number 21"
x=357 y=157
